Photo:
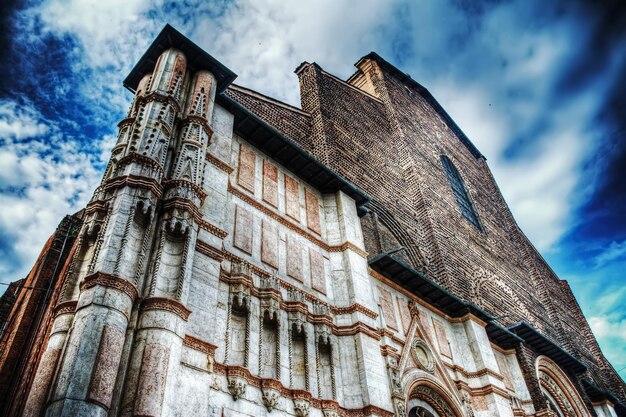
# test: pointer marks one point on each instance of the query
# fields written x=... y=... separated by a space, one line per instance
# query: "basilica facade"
x=243 y=257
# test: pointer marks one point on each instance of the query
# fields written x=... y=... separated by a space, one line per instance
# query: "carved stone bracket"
x=237 y=382
x=301 y=407
x=271 y=390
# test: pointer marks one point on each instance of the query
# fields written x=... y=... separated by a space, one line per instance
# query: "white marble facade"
x=211 y=281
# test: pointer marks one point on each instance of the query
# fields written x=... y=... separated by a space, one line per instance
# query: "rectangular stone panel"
x=292 y=198
x=427 y=325
x=270 y=183
x=312 y=211
x=504 y=369
x=269 y=244
x=294 y=258
x=386 y=304
x=318 y=271
x=247 y=168
x=405 y=314
x=105 y=369
x=152 y=378
x=243 y=230
x=442 y=338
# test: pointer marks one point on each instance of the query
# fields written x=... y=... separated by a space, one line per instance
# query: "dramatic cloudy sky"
x=540 y=87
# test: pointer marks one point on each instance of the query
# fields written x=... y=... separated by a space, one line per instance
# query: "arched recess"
x=425 y=394
x=388 y=235
x=558 y=390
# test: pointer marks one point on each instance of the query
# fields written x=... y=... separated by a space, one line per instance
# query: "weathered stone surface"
x=152 y=378
x=294 y=258
x=312 y=211
x=247 y=168
x=442 y=338
x=292 y=198
x=233 y=288
x=318 y=271
x=386 y=305
x=107 y=362
x=243 y=229
x=270 y=183
x=405 y=314
x=269 y=244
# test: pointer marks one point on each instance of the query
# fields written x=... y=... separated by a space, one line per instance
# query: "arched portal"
x=559 y=392
x=426 y=400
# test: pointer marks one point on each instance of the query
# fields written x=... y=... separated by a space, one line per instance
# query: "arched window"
x=460 y=192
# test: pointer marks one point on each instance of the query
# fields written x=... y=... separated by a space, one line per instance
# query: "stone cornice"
x=218 y=163
x=199 y=345
x=110 y=281
x=67 y=307
x=257 y=382
x=202 y=121
x=166 y=304
x=200 y=193
x=134 y=181
x=474 y=374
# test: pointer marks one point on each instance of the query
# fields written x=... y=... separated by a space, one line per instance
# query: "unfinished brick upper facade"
x=243 y=257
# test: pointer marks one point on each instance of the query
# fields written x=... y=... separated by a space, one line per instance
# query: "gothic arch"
x=486 y=286
x=558 y=390
x=398 y=232
x=420 y=386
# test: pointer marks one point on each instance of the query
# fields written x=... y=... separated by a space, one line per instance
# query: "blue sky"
x=538 y=86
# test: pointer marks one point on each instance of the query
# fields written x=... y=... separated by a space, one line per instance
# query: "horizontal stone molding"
x=134 y=181
x=166 y=304
x=211 y=228
x=208 y=250
x=474 y=374
x=140 y=159
x=97 y=206
x=199 y=345
x=199 y=120
x=126 y=122
x=284 y=284
x=218 y=163
x=390 y=351
x=291 y=225
x=482 y=391
x=289 y=393
x=67 y=307
x=159 y=97
x=180 y=183
x=110 y=281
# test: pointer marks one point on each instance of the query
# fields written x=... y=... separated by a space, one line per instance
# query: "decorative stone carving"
x=394 y=377
x=400 y=407
x=237 y=386
x=467 y=403
x=270 y=397
x=301 y=407
x=422 y=355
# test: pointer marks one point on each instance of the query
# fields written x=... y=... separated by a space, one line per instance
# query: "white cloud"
x=42 y=179
x=611 y=335
x=615 y=250
x=19 y=122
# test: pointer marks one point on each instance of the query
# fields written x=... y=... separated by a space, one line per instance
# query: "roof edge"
x=197 y=58
x=406 y=78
